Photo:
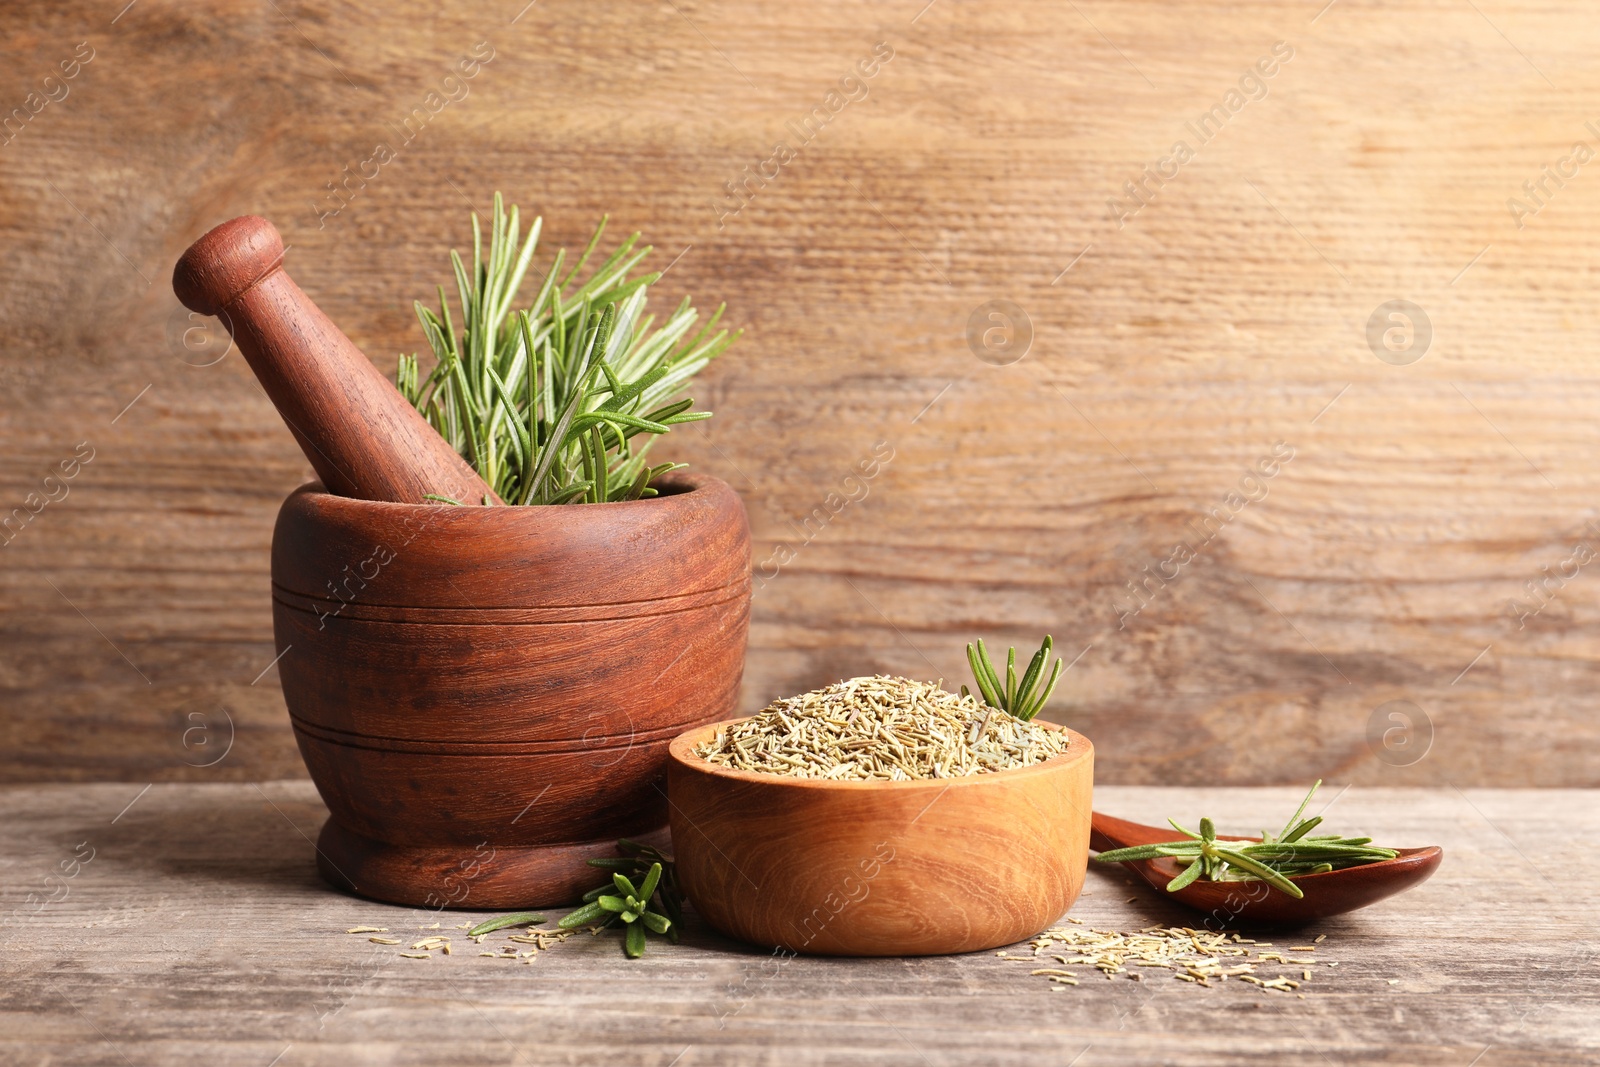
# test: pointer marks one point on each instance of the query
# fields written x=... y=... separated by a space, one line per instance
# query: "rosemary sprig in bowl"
x=1023 y=699
x=549 y=403
x=1275 y=859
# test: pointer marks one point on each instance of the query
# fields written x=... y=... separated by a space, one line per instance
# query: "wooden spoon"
x=1258 y=903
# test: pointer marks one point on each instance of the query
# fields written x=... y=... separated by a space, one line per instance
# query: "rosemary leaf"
x=525 y=918
x=1190 y=873
x=634 y=943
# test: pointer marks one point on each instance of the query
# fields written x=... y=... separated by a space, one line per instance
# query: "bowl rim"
x=680 y=752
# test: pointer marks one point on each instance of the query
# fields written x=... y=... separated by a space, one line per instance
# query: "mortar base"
x=465 y=876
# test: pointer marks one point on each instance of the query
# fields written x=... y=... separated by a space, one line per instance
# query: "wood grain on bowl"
x=881 y=869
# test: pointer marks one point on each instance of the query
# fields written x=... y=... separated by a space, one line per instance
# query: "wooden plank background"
x=1172 y=348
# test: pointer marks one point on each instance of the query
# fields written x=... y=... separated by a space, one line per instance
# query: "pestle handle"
x=362 y=437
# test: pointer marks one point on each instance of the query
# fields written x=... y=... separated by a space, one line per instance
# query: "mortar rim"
x=683 y=485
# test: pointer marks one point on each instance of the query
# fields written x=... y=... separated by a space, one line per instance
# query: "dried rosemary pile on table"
x=881 y=729
x=424 y=948
x=1197 y=956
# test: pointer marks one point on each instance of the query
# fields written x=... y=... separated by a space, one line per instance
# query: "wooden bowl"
x=484 y=696
x=881 y=869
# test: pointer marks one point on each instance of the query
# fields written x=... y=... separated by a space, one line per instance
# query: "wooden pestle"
x=362 y=437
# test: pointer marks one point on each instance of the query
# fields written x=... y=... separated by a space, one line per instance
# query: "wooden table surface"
x=198 y=933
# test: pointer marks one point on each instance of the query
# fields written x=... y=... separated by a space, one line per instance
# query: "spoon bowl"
x=1256 y=902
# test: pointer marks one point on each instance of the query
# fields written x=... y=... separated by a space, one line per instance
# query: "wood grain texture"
x=200 y=934
x=1227 y=314
x=485 y=688
x=880 y=869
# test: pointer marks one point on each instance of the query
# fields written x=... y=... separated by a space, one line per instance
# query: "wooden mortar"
x=484 y=696
x=841 y=868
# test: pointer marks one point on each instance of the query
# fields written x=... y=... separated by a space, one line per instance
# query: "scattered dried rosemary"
x=1197 y=956
x=1273 y=859
x=881 y=729
x=649 y=898
x=424 y=948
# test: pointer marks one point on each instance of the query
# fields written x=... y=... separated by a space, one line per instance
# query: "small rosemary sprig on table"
x=1273 y=859
x=641 y=880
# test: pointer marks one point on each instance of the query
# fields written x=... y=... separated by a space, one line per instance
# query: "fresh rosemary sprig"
x=548 y=403
x=1024 y=698
x=1274 y=859
x=523 y=918
x=639 y=879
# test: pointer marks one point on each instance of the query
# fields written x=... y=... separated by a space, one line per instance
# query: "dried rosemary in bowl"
x=881 y=728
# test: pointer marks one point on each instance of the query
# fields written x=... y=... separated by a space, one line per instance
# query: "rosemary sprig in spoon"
x=1273 y=859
